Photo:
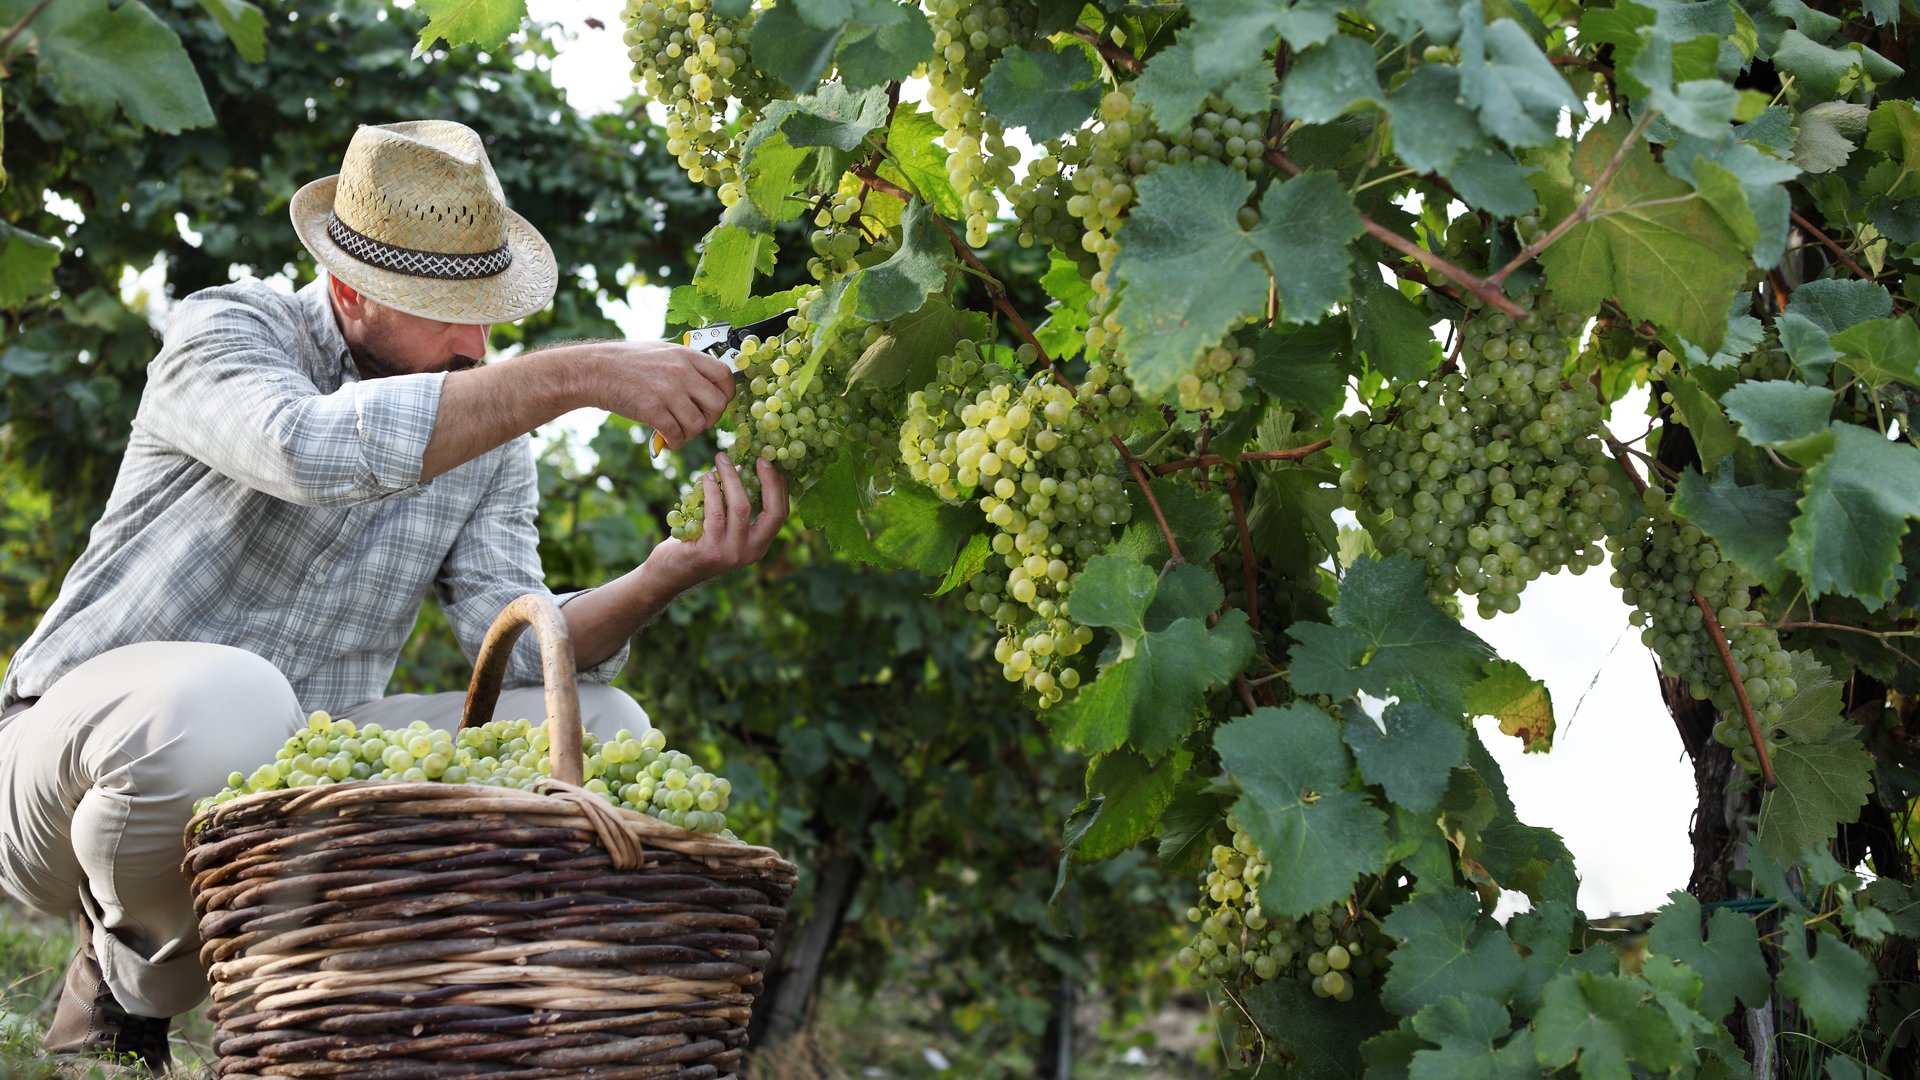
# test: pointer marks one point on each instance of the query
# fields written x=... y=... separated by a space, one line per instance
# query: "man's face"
x=388 y=342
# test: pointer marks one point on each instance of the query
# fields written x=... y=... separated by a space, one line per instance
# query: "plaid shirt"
x=270 y=499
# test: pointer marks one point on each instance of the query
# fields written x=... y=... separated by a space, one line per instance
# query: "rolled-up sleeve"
x=496 y=559
x=228 y=391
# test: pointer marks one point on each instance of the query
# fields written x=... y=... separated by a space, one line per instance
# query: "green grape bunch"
x=692 y=60
x=1659 y=563
x=797 y=428
x=1492 y=475
x=968 y=36
x=1039 y=462
x=1331 y=951
x=638 y=774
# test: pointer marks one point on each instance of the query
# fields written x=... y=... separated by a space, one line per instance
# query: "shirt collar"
x=325 y=328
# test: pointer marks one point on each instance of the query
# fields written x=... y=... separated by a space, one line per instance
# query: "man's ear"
x=346 y=299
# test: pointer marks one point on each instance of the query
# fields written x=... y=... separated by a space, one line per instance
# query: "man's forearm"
x=601 y=622
x=489 y=406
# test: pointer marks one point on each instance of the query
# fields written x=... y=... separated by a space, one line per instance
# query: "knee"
x=605 y=710
x=204 y=711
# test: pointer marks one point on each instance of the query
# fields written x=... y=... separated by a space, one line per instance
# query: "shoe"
x=88 y=1021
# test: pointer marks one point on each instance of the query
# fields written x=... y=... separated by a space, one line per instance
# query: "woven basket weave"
x=397 y=931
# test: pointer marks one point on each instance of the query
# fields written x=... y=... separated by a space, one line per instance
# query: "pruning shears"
x=722 y=341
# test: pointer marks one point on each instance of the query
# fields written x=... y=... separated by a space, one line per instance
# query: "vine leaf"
x=1749 y=523
x=1447 y=948
x=100 y=56
x=1186 y=829
x=1650 y=242
x=1431 y=127
x=1511 y=83
x=1822 y=786
x=1491 y=180
x=1465 y=1029
x=972 y=559
x=1048 y=93
x=834 y=503
x=1826 y=135
x=1393 y=332
x=1855 y=510
x=906 y=351
x=1817 y=707
x=886 y=45
x=1292 y=770
x=1183 y=262
x=483 y=23
x=1133 y=793
x=1785 y=415
x=244 y=24
x=1154 y=679
x=26 y=265
x=1727 y=958
x=1602 y=1021
x=1322 y=1036
x=1881 y=351
x=1520 y=702
x=1388 y=638
x=732 y=258
x=918 y=162
x=1834 y=304
x=1411 y=757
x=1830 y=980
x=1327 y=81
x=877 y=41
x=912 y=528
x=835 y=116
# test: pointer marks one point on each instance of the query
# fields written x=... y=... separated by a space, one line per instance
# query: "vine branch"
x=1826 y=241
x=1486 y=291
x=1110 y=52
x=1625 y=457
x=1206 y=461
x=1584 y=210
x=32 y=14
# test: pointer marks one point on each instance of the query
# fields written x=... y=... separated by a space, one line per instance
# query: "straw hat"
x=416 y=221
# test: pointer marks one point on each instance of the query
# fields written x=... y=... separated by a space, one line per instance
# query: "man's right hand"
x=674 y=390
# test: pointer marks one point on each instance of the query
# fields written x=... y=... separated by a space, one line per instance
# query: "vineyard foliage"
x=1403 y=257
x=1400 y=259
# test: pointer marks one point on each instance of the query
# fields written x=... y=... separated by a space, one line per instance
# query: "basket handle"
x=557 y=669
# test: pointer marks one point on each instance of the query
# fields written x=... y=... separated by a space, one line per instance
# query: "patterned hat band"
x=427 y=264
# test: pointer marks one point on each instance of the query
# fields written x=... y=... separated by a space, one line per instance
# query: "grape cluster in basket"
x=631 y=773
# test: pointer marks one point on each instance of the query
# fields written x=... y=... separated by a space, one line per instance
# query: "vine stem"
x=20 y=26
x=1486 y=291
x=1585 y=209
x=1625 y=458
x=1112 y=53
x=1812 y=230
x=1206 y=461
x=1247 y=569
x=1174 y=558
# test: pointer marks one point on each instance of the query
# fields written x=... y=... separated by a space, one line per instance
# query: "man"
x=301 y=470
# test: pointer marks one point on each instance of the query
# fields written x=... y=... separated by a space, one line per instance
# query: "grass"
x=855 y=1035
x=34 y=952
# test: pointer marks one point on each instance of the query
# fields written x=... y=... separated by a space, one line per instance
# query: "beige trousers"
x=99 y=777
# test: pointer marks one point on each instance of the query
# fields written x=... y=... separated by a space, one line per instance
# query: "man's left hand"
x=733 y=535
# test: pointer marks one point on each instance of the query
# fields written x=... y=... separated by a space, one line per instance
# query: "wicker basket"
x=394 y=930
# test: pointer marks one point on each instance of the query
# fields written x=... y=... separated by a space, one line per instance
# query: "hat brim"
x=525 y=287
